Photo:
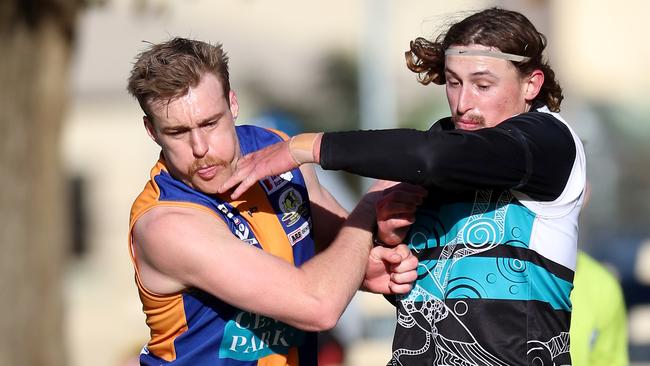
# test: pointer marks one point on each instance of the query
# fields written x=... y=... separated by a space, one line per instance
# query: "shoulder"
x=253 y=138
x=554 y=153
x=443 y=124
x=173 y=246
x=540 y=125
x=165 y=225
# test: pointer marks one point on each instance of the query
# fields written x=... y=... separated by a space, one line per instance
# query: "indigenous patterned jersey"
x=195 y=328
x=495 y=274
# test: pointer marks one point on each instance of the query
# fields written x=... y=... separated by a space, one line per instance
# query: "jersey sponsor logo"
x=249 y=337
x=251 y=241
x=273 y=183
x=240 y=229
x=299 y=234
x=288 y=176
x=292 y=206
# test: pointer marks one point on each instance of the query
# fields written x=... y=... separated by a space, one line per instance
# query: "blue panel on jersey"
x=492 y=278
x=477 y=224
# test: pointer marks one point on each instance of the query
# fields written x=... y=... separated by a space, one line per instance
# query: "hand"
x=396 y=211
x=272 y=160
x=390 y=270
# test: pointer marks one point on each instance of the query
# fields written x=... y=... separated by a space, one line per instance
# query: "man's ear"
x=151 y=130
x=533 y=85
x=234 y=104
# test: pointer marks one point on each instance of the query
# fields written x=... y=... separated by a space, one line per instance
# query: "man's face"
x=483 y=91
x=197 y=134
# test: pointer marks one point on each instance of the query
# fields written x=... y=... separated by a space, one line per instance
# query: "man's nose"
x=465 y=100
x=198 y=142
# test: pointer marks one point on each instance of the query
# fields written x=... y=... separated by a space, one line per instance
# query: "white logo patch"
x=299 y=234
x=241 y=231
x=273 y=183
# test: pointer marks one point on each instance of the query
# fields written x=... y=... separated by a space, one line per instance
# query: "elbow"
x=330 y=316
x=433 y=171
x=324 y=323
x=324 y=317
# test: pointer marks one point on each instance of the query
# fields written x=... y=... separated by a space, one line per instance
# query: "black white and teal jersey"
x=496 y=238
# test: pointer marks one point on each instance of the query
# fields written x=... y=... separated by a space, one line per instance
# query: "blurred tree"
x=36 y=43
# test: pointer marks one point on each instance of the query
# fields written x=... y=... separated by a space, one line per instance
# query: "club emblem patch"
x=292 y=205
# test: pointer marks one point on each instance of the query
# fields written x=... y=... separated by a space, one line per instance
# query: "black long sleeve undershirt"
x=532 y=152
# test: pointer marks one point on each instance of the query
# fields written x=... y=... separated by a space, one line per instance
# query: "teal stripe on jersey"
x=474 y=224
x=493 y=278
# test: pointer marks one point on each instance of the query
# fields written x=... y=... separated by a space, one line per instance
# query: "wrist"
x=302 y=146
x=316 y=147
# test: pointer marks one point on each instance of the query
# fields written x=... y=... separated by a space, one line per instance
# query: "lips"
x=207 y=172
x=468 y=124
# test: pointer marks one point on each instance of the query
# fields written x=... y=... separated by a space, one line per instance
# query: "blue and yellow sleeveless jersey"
x=195 y=328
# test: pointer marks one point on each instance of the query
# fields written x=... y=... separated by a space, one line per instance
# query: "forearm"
x=532 y=153
x=450 y=159
x=327 y=214
x=326 y=226
x=383 y=154
x=334 y=275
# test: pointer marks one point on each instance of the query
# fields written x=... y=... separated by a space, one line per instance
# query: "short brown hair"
x=167 y=70
x=509 y=31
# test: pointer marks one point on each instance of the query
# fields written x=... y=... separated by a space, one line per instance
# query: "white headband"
x=488 y=53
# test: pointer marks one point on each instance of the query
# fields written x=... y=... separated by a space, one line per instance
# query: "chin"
x=207 y=187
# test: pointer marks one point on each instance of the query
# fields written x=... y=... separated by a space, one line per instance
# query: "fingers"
x=399 y=289
x=272 y=160
x=400 y=201
x=242 y=179
x=401 y=281
x=402 y=198
x=243 y=187
x=393 y=227
x=396 y=211
x=398 y=220
x=404 y=278
x=399 y=267
x=386 y=255
x=404 y=273
x=391 y=235
x=393 y=208
x=408 y=261
x=399 y=258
